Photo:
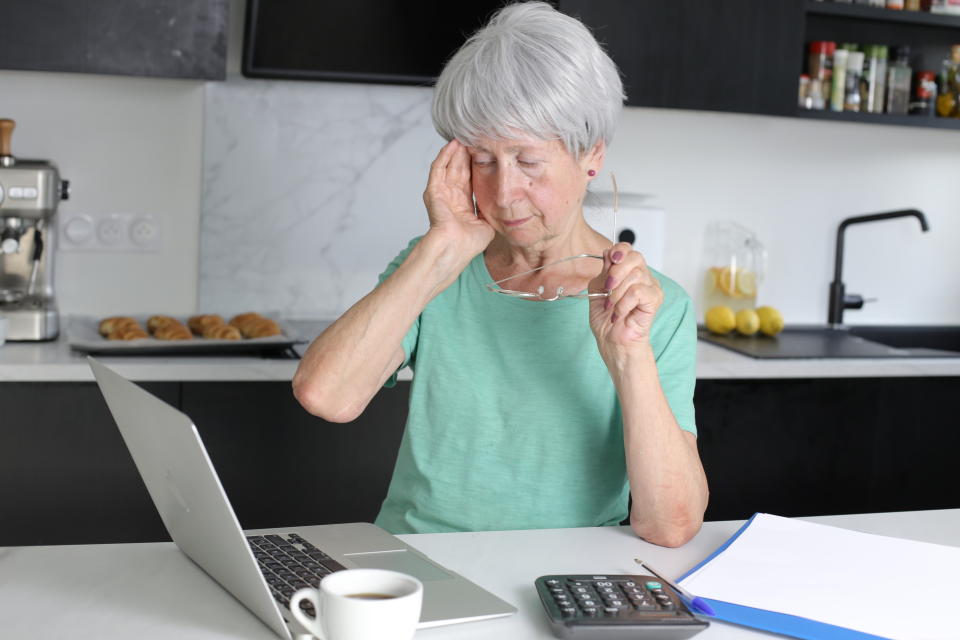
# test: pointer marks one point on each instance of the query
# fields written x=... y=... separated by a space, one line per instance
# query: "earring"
x=591 y=173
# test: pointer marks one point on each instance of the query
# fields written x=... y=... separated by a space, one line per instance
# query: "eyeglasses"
x=494 y=287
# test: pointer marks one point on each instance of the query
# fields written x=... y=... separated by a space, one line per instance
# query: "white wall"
x=127 y=145
x=792 y=181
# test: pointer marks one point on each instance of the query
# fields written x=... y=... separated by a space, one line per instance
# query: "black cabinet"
x=800 y=447
x=791 y=447
x=160 y=38
x=66 y=476
x=282 y=466
x=735 y=55
x=65 y=473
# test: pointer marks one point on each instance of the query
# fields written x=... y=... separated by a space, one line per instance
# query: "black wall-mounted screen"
x=388 y=41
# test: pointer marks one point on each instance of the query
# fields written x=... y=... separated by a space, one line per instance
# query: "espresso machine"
x=30 y=191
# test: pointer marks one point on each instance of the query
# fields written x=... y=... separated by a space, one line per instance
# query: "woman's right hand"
x=449 y=201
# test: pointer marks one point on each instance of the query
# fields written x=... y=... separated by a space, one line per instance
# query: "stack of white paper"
x=884 y=586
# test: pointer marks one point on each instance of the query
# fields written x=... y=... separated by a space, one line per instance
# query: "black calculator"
x=611 y=607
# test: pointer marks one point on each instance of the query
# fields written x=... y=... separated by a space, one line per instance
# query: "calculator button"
x=587 y=603
x=629 y=583
x=578 y=583
x=580 y=590
x=653 y=586
x=568 y=611
x=612 y=610
x=553 y=582
x=590 y=611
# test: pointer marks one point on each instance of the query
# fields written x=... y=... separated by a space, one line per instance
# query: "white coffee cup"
x=362 y=604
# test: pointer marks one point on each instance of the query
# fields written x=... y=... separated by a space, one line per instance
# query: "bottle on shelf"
x=851 y=100
x=872 y=81
x=948 y=100
x=898 y=82
x=924 y=94
x=820 y=67
x=880 y=102
x=838 y=88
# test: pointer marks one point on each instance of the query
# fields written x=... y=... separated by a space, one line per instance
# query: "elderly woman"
x=525 y=411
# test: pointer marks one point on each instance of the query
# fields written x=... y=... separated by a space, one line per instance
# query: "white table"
x=146 y=591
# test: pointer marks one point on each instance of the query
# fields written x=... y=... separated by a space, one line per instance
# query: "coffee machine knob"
x=64 y=189
x=9 y=245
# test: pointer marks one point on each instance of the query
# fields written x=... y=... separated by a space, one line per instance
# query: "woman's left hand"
x=623 y=321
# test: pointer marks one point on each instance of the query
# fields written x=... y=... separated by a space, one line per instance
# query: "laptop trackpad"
x=402 y=561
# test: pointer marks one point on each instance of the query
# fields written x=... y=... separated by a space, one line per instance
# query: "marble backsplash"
x=309 y=190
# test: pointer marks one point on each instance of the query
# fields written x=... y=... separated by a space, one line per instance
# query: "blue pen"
x=695 y=602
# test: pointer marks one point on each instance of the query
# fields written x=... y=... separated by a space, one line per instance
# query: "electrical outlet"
x=145 y=232
x=109 y=232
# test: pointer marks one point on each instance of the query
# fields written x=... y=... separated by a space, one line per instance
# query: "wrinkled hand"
x=449 y=202
x=622 y=322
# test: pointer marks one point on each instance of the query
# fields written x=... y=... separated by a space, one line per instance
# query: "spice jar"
x=924 y=94
x=820 y=61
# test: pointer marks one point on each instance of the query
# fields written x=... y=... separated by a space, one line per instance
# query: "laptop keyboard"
x=289 y=563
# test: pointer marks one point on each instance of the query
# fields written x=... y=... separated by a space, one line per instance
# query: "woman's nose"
x=508 y=186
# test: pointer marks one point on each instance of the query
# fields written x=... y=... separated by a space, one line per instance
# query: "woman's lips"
x=515 y=223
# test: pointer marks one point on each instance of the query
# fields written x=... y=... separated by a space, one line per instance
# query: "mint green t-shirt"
x=514 y=421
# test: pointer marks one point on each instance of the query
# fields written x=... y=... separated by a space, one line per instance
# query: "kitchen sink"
x=944 y=338
x=865 y=341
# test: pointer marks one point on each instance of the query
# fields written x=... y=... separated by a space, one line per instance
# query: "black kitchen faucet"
x=838 y=299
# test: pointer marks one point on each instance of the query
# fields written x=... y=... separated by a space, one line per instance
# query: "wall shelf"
x=881 y=118
x=860 y=12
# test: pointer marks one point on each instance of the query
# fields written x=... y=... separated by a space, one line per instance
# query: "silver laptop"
x=177 y=471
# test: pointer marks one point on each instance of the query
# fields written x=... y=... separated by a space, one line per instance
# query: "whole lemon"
x=748 y=322
x=720 y=319
x=771 y=321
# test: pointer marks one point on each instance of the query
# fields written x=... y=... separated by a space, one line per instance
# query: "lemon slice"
x=727 y=280
x=747 y=284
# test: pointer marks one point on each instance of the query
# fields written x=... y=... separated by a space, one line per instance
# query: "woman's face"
x=530 y=190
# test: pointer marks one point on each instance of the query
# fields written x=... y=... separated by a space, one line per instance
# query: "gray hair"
x=530 y=69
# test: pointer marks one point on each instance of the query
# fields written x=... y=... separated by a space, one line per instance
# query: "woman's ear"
x=593 y=160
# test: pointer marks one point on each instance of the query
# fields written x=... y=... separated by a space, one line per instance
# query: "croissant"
x=173 y=331
x=241 y=319
x=263 y=328
x=127 y=332
x=259 y=328
x=199 y=323
x=154 y=323
x=222 y=332
x=111 y=324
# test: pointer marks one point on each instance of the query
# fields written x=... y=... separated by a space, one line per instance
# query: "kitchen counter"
x=56 y=361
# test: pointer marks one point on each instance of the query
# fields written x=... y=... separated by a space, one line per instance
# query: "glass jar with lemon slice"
x=734 y=266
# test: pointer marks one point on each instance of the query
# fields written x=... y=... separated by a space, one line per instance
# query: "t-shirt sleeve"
x=409 y=342
x=675 y=343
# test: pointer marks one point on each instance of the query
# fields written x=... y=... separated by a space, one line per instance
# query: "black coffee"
x=371 y=596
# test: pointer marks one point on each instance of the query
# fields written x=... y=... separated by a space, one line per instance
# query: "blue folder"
x=782 y=623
